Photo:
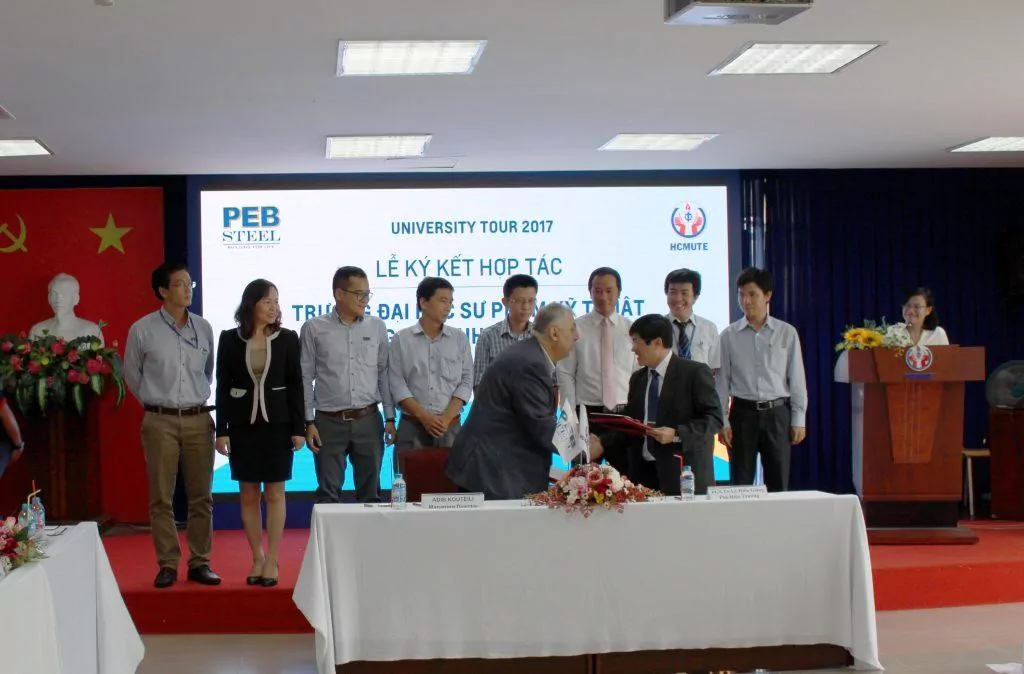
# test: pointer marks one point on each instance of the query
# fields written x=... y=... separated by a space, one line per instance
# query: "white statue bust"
x=63 y=297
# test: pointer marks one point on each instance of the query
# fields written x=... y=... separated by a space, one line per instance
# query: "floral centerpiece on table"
x=17 y=548
x=42 y=373
x=592 y=486
x=873 y=335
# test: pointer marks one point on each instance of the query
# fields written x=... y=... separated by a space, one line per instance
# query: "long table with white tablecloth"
x=64 y=614
x=510 y=580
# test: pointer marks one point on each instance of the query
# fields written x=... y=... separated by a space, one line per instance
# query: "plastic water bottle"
x=39 y=513
x=26 y=520
x=398 y=492
x=686 y=487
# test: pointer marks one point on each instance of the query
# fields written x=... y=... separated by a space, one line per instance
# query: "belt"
x=760 y=405
x=350 y=415
x=179 y=412
x=601 y=409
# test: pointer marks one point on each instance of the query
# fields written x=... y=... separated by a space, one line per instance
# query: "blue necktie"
x=652 y=405
x=684 y=340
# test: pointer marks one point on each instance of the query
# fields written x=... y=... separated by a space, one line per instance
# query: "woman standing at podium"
x=922 y=320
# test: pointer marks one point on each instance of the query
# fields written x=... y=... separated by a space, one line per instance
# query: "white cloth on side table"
x=65 y=614
x=510 y=580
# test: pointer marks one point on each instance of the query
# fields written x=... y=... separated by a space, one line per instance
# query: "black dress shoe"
x=166 y=577
x=203 y=575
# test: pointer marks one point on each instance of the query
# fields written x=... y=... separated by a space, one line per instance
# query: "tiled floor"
x=939 y=641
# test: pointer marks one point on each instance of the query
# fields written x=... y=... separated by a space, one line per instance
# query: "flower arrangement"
x=592 y=486
x=41 y=373
x=872 y=335
x=17 y=548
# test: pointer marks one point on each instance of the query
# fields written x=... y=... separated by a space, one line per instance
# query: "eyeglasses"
x=359 y=296
x=184 y=284
x=522 y=302
x=919 y=307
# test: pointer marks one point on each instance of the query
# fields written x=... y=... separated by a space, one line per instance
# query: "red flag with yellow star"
x=110 y=240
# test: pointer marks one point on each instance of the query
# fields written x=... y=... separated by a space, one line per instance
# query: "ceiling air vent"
x=732 y=12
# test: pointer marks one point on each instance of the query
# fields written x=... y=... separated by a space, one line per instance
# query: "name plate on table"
x=452 y=501
x=737 y=493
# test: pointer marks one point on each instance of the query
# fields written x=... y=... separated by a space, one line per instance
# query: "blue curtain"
x=845 y=245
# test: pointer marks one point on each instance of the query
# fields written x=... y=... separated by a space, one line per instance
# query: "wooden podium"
x=908 y=438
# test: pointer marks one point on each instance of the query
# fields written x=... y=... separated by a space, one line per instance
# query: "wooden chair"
x=423 y=470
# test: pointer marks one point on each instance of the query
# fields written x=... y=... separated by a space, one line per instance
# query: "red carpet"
x=906 y=577
x=933 y=576
x=189 y=608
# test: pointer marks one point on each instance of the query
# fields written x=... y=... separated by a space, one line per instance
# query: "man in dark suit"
x=678 y=401
x=504 y=449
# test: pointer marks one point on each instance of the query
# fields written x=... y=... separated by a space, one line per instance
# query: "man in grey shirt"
x=762 y=369
x=344 y=376
x=520 y=299
x=168 y=366
x=430 y=371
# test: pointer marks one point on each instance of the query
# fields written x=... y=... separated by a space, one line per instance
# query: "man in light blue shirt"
x=762 y=370
x=344 y=375
x=430 y=371
x=168 y=366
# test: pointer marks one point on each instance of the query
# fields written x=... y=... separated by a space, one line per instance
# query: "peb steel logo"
x=689 y=220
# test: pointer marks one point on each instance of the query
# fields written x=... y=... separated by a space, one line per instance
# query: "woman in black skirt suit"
x=260 y=417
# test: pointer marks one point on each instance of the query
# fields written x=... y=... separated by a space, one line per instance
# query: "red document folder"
x=617 y=422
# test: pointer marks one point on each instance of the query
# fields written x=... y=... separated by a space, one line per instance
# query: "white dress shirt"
x=704 y=340
x=763 y=366
x=579 y=373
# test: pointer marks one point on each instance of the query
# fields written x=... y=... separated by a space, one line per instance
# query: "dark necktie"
x=652 y=405
x=684 y=341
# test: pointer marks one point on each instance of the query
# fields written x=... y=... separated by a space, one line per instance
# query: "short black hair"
x=604 y=271
x=430 y=285
x=762 y=278
x=684 y=276
x=931 y=321
x=245 y=315
x=161 y=277
x=652 y=326
x=343 y=274
x=518 y=281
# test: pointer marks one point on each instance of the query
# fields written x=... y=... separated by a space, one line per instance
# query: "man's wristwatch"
x=389 y=421
x=310 y=422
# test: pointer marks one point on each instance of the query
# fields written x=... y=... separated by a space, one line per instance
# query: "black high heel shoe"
x=254 y=580
x=269 y=582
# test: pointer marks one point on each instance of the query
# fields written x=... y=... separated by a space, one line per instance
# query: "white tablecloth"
x=511 y=581
x=65 y=614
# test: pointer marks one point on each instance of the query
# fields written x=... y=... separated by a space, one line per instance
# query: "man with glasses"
x=520 y=299
x=168 y=366
x=344 y=376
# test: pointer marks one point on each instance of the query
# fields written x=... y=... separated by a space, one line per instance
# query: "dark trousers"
x=362 y=442
x=646 y=473
x=615 y=444
x=764 y=432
